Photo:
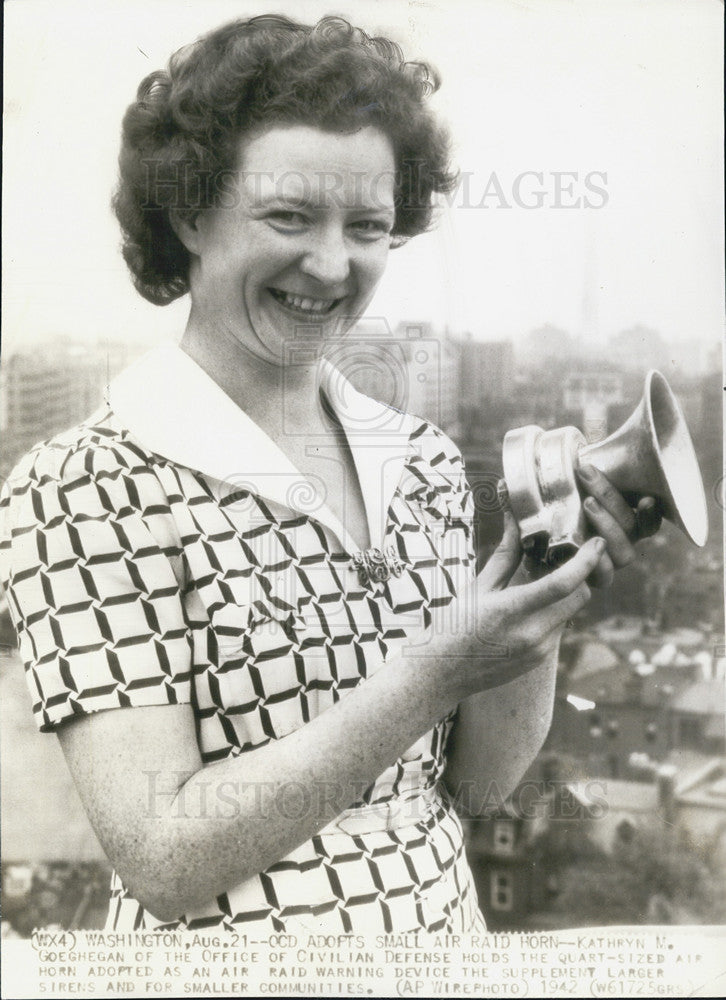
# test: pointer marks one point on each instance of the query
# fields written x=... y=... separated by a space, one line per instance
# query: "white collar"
x=175 y=409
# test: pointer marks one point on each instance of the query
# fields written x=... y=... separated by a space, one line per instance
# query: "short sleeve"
x=444 y=483
x=91 y=562
x=461 y=501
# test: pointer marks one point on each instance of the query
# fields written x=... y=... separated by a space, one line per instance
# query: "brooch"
x=376 y=566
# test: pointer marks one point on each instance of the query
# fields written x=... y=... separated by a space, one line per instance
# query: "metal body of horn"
x=651 y=454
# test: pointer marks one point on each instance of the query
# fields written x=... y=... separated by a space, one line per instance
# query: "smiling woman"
x=181 y=138
x=244 y=591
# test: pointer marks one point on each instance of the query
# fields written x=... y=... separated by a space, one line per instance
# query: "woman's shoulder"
x=100 y=443
x=434 y=446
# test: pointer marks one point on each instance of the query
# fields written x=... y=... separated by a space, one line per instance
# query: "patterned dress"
x=166 y=551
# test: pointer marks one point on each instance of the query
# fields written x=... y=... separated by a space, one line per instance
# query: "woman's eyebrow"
x=279 y=200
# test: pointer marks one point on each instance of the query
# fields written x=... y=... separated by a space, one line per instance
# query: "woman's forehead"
x=304 y=164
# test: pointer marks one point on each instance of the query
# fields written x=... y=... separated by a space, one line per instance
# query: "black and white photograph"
x=361 y=522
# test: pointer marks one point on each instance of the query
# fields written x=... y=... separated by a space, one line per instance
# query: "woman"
x=272 y=570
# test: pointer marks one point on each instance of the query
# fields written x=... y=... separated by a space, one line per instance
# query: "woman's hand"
x=611 y=517
x=518 y=625
x=501 y=727
x=521 y=608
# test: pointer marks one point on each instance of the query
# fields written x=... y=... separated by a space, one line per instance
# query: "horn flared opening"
x=677 y=457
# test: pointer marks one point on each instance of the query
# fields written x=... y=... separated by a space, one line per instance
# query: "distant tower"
x=589 y=312
x=594 y=412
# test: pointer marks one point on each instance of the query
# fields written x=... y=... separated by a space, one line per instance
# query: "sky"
x=553 y=105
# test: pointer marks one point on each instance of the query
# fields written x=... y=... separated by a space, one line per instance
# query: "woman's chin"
x=299 y=340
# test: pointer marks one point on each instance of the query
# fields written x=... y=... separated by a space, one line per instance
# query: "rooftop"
x=630 y=796
x=623 y=685
x=703 y=697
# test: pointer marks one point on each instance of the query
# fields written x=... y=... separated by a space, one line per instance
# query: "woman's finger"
x=557 y=614
x=599 y=487
x=561 y=582
x=619 y=546
x=602 y=576
x=648 y=517
x=505 y=559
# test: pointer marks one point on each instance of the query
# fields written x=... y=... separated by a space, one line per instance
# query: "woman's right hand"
x=517 y=626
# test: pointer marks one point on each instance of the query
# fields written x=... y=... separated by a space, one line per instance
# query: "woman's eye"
x=288 y=220
x=371 y=228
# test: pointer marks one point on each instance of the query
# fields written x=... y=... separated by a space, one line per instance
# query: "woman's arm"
x=497 y=733
x=496 y=736
x=179 y=834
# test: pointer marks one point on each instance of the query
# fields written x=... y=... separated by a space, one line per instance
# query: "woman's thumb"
x=506 y=557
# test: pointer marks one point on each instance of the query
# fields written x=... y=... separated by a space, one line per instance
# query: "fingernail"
x=592 y=505
x=599 y=545
x=587 y=472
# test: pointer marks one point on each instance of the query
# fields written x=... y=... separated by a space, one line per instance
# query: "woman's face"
x=300 y=238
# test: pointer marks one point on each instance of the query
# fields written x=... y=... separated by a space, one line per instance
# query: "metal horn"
x=651 y=454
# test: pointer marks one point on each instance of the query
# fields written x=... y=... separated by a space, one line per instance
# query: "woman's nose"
x=327 y=259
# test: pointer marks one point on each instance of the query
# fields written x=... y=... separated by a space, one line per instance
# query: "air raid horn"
x=650 y=455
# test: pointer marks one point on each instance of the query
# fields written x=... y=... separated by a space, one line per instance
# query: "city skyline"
x=634 y=348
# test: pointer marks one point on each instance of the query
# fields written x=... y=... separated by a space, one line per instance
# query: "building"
x=700 y=805
x=42 y=395
x=605 y=737
x=697 y=717
x=434 y=362
x=687 y=800
x=414 y=368
x=636 y=697
x=501 y=855
x=51 y=388
x=543 y=348
x=537 y=844
x=486 y=386
x=589 y=395
x=615 y=810
x=639 y=348
x=464 y=386
x=619 y=718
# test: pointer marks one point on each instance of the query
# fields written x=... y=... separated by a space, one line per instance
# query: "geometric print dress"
x=145 y=565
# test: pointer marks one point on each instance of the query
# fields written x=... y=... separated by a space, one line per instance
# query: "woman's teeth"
x=302 y=303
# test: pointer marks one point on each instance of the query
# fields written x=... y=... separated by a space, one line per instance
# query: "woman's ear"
x=186 y=227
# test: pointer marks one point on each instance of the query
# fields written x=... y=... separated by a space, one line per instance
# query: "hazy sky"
x=531 y=88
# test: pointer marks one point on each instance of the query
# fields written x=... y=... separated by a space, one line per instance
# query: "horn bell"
x=651 y=454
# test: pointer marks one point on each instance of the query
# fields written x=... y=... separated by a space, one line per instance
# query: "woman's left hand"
x=612 y=518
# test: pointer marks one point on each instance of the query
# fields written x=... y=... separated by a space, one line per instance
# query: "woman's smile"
x=303 y=305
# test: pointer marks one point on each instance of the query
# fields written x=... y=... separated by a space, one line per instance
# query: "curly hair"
x=182 y=133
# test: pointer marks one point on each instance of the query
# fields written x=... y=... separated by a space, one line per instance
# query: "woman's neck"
x=281 y=399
